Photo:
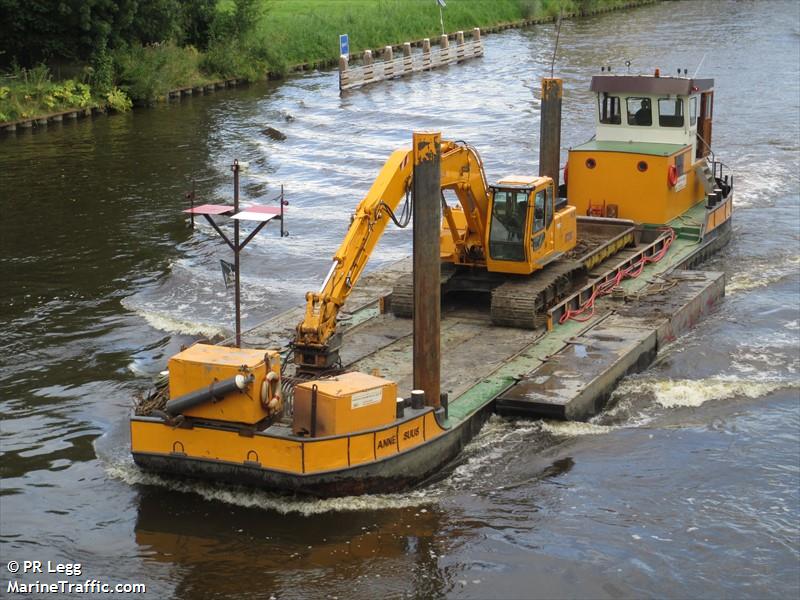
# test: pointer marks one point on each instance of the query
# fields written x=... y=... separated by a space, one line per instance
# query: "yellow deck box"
x=200 y=365
x=345 y=403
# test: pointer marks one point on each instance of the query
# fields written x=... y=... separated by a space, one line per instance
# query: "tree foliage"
x=33 y=31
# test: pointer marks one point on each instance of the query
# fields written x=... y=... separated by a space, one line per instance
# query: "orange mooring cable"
x=607 y=287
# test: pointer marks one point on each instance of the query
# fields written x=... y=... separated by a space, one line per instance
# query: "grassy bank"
x=277 y=35
x=306 y=31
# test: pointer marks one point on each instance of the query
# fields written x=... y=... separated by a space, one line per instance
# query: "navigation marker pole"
x=236 y=249
x=258 y=213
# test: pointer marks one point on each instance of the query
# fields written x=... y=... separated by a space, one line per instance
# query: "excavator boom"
x=462 y=171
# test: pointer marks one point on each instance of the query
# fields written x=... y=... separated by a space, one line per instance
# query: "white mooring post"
x=343 y=62
x=426 y=54
x=460 y=48
x=408 y=66
x=444 y=50
x=367 y=70
x=477 y=45
x=388 y=67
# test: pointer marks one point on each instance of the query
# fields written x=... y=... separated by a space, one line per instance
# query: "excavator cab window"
x=507 y=230
x=538 y=210
x=539 y=216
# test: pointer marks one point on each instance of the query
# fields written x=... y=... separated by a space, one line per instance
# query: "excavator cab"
x=507 y=228
x=521 y=236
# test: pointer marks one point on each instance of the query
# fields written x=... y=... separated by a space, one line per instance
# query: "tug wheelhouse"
x=649 y=158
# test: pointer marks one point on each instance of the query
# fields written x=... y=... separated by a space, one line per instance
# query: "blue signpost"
x=344 y=45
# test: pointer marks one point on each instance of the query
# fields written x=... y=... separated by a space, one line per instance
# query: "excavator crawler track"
x=523 y=302
x=520 y=302
x=402 y=304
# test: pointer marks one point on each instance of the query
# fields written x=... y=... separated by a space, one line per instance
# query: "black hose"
x=406 y=211
x=216 y=391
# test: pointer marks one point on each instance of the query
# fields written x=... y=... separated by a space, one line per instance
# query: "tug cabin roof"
x=640 y=84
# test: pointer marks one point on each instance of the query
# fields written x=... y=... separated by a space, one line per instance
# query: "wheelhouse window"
x=610 y=111
x=507 y=230
x=639 y=112
x=693 y=111
x=670 y=112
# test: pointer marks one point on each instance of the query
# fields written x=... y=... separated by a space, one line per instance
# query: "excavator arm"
x=462 y=171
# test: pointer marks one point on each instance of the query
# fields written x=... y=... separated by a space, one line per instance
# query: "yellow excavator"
x=491 y=241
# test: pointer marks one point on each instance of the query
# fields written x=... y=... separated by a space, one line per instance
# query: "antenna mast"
x=700 y=64
x=555 y=48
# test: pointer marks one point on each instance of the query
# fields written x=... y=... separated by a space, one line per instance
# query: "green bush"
x=70 y=93
x=31 y=92
x=147 y=73
x=233 y=50
x=237 y=20
x=528 y=8
x=101 y=71
x=234 y=59
x=118 y=100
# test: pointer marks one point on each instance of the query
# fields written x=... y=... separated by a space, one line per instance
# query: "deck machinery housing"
x=647 y=177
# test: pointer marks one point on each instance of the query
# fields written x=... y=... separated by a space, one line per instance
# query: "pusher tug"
x=526 y=297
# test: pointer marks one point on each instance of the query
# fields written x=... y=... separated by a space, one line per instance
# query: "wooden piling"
x=388 y=62
x=342 y=70
x=368 y=71
x=427 y=277
x=550 y=129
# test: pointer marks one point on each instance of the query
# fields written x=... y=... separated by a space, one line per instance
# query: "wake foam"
x=575 y=428
x=672 y=393
x=173 y=324
x=762 y=273
x=129 y=473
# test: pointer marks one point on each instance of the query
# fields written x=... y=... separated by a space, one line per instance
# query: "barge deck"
x=482 y=363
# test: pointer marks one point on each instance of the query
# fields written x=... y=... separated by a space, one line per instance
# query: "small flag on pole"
x=442 y=5
x=228 y=273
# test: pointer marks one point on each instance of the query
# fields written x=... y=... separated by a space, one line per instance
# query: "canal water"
x=687 y=486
